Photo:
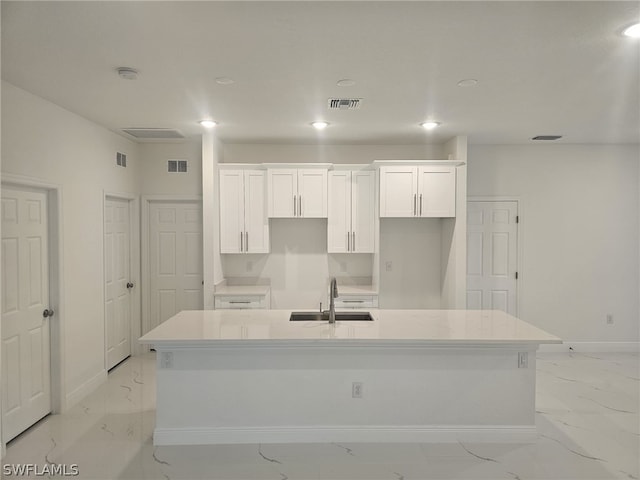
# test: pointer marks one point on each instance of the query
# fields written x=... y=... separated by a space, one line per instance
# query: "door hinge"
x=516 y=275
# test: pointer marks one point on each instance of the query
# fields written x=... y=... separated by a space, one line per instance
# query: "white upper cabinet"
x=350 y=225
x=417 y=191
x=436 y=191
x=244 y=226
x=297 y=193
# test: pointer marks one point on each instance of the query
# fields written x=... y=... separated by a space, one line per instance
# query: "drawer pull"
x=352 y=301
x=239 y=301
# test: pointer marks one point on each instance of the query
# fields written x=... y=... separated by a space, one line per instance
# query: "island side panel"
x=305 y=394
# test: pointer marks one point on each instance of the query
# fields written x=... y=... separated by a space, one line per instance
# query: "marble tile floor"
x=587 y=417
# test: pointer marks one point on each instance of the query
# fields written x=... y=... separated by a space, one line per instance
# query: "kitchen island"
x=253 y=376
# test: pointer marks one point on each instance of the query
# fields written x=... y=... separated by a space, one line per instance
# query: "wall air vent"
x=153 y=133
x=121 y=159
x=547 y=137
x=177 y=166
x=344 y=103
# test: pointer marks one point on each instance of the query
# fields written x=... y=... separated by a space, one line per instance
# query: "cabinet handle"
x=348 y=242
x=420 y=204
x=239 y=301
x=352 y=301
x=353 y=242
x=294 y=206
x=415 y=207
x=241 y=244
x=246 y=241
x=300 y=207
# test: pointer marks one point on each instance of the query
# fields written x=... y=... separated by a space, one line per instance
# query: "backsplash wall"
x=298 y=267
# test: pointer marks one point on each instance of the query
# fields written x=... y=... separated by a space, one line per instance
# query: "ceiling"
x=542 y=68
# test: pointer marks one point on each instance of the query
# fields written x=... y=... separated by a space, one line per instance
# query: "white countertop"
x=264 y=328
x=231 y=290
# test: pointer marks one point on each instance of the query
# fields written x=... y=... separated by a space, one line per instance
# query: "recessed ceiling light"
x=633 y=31
x=208 y=123
x=320 y=125
x=346 y=82
x=429 y=125
x=225 y=81
x=468 y=82
x=127 y=73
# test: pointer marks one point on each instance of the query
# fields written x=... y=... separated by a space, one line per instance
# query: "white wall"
x=579 y=226
x=261 y=153
x=156 y=180
x=45 y=142
x=413 y=246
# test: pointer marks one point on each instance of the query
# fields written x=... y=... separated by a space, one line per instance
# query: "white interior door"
x=175 y=259
x=492 y=245
x=117 y=272
x=26 y=376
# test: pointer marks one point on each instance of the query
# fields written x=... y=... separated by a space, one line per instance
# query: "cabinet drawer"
x=357 y=301
x=238 y=301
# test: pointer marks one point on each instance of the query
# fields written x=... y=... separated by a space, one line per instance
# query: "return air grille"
x=344 y=103
x=177 y=166
x=121 y=159
x=547 y=137
x=153 y=133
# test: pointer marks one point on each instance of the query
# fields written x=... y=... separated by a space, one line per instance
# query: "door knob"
x=129 y=285
x=47 y=313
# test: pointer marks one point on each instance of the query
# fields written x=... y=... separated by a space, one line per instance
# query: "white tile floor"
x=587 y=420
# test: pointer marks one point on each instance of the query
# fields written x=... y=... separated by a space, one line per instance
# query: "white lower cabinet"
x=356 y=301
x=240 y=302
x=351 y=216
x=244 y=226
x=417 y=191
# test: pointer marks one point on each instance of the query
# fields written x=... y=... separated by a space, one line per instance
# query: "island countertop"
x=265 y=328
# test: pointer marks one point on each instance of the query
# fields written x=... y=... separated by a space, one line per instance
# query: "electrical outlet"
x=356 y=389
x=249 y=266
x=388 y=266
x=609 y=319
x=343 y=266
x=166 y=360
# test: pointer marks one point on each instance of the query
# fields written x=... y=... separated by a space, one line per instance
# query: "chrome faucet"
x=333 y=293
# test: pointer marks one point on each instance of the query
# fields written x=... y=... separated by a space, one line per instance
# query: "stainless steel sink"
x=324 y=317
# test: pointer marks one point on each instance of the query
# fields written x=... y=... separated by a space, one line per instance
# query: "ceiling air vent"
x=344 y=103
x=547 y=137
x=153 y=133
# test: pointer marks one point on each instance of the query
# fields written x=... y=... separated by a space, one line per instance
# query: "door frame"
x=519 y=239
x=147 y=200
x=135 y=327
x=56 y=284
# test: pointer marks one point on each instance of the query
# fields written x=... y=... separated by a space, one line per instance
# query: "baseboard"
x=347 y=434
x=613 y=347
x=83 y=390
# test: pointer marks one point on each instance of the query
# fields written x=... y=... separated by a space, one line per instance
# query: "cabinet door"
x=437 y=192
x=256 y=222
x=398 y=191
x=282 y=192
x=362 y=211
x=339 y=218
x=312 y=192
x=231 y=211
